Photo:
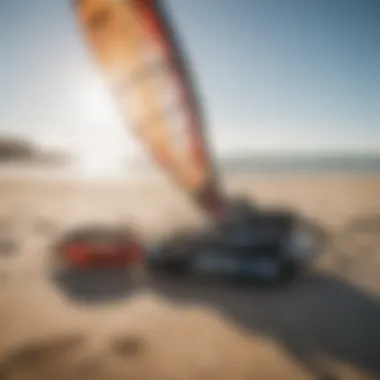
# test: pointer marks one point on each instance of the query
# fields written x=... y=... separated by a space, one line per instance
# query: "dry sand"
x=326 y=325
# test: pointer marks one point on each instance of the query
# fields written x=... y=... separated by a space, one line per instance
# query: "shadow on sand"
x=318 y=317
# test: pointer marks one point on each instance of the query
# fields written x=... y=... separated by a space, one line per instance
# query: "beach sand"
x=326 y=325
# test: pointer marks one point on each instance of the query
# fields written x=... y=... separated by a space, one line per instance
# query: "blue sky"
x=274 y=75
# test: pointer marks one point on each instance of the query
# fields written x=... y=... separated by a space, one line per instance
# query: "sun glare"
x=95 y=164
x=102 y=146
x=95 y=103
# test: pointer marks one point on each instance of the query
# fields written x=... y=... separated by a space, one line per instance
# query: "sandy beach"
x=324 y=326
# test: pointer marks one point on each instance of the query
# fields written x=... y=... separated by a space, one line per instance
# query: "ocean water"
x=244 y=165
x=287 y=164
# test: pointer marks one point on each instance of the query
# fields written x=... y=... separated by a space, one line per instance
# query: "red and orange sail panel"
x=135 y=45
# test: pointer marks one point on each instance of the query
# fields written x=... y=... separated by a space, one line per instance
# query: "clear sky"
x=273 y=74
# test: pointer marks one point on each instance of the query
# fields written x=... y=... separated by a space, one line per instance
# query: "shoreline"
x=162 y=177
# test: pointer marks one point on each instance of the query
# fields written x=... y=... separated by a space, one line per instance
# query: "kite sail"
x=136 y=47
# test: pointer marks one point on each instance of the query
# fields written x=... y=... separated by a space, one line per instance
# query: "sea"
x=303 y=164
x=237 y=165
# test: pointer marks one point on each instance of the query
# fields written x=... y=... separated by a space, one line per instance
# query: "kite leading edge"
x=137 y=50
